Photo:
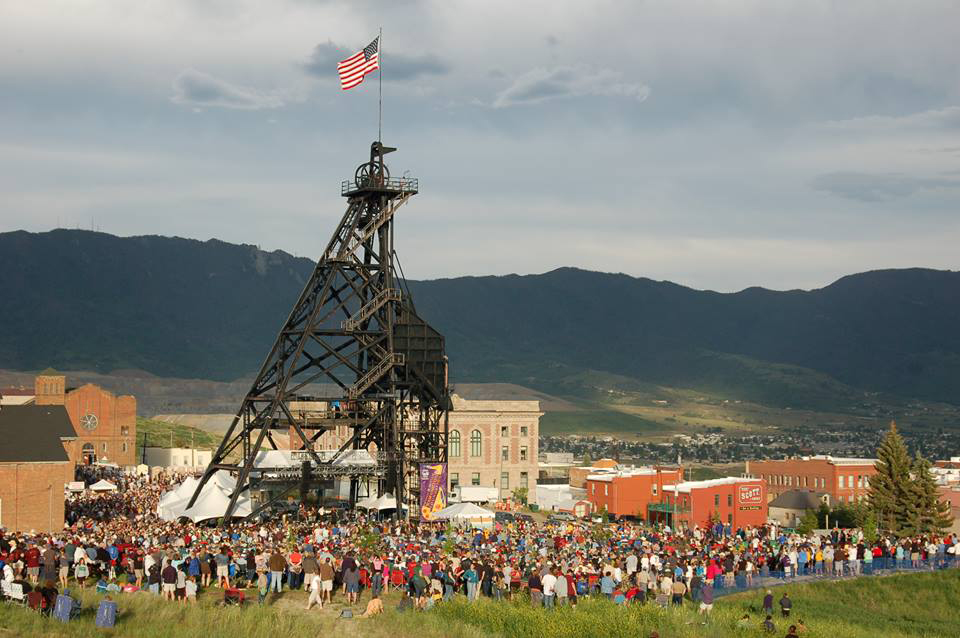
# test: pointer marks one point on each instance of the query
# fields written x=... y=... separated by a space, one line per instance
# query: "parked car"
x=504 y=517
x=561 y=516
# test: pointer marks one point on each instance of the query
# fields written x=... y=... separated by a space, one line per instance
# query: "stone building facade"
x=494 y=444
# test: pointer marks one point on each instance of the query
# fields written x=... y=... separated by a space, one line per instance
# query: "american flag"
x=359 y=64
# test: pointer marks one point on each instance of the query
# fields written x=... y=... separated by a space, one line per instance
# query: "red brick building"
x=740 y=502
x=846 y=480
x=34 y=466
x=629 y=492
x=105 y=424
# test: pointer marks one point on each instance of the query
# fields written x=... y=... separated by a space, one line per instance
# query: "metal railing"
x=814 y=572
x=391 y=184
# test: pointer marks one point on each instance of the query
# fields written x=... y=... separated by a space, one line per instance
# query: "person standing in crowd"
x=785 y=605
x=315 y=585
x=169 y=577
x=277 y=566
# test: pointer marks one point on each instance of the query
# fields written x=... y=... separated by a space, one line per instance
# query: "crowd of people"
x=115 y=542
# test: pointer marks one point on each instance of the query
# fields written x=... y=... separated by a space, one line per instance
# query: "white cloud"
x=197 y=89
x=543 y=84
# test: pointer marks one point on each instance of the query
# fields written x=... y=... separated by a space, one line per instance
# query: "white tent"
x=385 y=502
x=367 y=503
x=467 y=512
x=213 y=503
x=103 y=485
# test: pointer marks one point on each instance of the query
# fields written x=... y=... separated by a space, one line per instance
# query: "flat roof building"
x=733 y=500
x=629 y=491
x=846 y=480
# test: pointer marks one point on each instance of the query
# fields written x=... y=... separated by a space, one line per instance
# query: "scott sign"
x=750 y=494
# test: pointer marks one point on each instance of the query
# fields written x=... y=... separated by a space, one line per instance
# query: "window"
x=798 y=481
x=605 y=489
x=523 y=430
x=654 y=488
x=850 y=481
x=523 y=452
x=524 y=479
x=716 y=500
x=859 y=480
x=476 y=443
x=729 y=500
x=730 y=519
x=103 y=448
x=504 y=430
x=124 y=430
x=123 y=446
x=504 y=482
x=475 y=479
x=453 y=445
x=841 y=481
x=505 y=453
x=454 y=480
x=866 y=481
x=804 y=481
x=593 y=488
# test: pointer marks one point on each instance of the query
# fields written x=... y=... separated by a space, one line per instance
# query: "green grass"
x=903 y=606
x=598 y=422
x=163 y=434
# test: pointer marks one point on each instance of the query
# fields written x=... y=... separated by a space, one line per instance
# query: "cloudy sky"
x=717 y=144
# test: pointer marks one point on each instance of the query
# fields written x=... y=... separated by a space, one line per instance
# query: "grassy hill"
x=907 y=606
x=167 y=435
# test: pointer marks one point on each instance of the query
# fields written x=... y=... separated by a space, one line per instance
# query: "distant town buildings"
x=177 y=458
x=845 y=480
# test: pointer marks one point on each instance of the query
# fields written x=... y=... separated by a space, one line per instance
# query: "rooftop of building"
x=834 y=460
x=16 y=392
x=608 y=474
x=34 y=433
x=687 y=486
x=492 y=405
x=798 y=500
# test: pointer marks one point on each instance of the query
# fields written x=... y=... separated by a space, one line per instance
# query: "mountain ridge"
x=210 y=309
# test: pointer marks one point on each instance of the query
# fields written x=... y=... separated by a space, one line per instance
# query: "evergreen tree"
x=932 y=514
x=809 y=522
x=891 y=489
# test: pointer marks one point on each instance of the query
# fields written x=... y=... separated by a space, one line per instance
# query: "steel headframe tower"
x=355 y=345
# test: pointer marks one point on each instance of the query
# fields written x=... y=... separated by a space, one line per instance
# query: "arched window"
x=476 y=443
x=453 y=446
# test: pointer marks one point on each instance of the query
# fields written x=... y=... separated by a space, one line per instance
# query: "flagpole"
x=380 y=75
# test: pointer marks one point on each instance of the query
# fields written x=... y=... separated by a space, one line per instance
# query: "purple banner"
x=433 y=489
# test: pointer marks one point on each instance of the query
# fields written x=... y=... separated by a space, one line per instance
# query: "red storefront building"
x=739 y=502
x=629 y=492
x=846 y=480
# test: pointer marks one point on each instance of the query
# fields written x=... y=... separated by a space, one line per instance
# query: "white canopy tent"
x=211 y=503
x=367 y=503
x=466 y=513
x=103 y=485
x=385 y=502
